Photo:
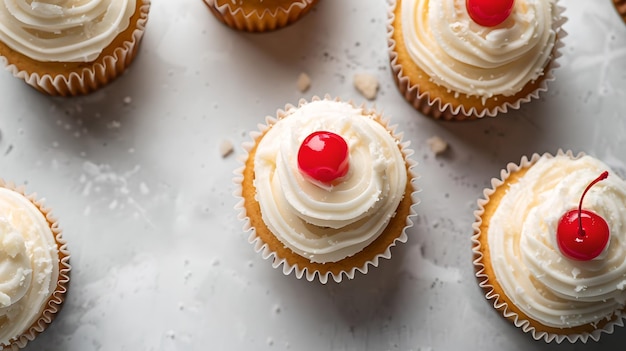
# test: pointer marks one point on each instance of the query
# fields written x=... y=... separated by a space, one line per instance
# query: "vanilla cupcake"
x=259 y=15
x=550 y=246
x=70 y=47
x=35 y=267
x=456 y=60
x=326 y=189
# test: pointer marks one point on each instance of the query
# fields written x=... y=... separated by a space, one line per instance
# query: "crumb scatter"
x=437 y=145
x=366 y=84
x=304 y=82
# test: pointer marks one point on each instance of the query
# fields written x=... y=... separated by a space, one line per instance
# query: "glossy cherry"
x=581 y=234
x=489 y=13
x=323 y=156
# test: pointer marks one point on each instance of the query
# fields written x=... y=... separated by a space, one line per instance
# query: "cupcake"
x=467 y=59
x=70 y=47
x=620 y=6
x=550 y=247
x=35 y=267
x=326 y=189
x=259 y=15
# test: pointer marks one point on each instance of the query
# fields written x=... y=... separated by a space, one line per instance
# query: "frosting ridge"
x=63 y=30
x=543 y=283
x=329 y=223
x=470 y=59
x=28 y=263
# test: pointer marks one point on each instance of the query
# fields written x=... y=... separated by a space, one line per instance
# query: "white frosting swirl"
x=467 y=58
x=545 y=285
x=329 y=223
x=28 y=263
x=63 y=30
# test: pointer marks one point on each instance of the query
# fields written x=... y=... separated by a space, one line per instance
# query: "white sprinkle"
x=128 y=100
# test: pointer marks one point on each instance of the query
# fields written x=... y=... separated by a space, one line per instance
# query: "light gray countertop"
x=160 y=261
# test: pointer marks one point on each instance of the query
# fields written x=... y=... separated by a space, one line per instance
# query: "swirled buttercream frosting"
x=28 y=263
x=474 y=60
x=534 y=274
x=63 y=30
x=329 y=223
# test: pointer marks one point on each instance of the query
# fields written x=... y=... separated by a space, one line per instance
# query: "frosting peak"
x=329 y=223
x=475 y=60
x=534 y=274
x=15 y=268
x=28 y=263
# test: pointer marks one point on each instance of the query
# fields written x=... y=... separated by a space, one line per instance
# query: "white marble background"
x=160 y=262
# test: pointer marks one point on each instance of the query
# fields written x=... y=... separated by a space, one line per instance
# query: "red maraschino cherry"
x=323 y=156
x=489 y=13
x=581 y=234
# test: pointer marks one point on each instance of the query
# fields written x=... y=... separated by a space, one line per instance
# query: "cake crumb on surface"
x=226 y=148
x=437 y=145
x=366 y=84
x=304 y=82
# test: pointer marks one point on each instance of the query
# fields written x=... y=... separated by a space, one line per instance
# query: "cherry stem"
x=581 y=230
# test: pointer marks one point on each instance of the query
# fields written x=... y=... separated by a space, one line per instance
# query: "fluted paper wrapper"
x=486 y=281
x=438 y=109
x=55 y=302
x=261 y=19
x=290 y=262
x=84 y=77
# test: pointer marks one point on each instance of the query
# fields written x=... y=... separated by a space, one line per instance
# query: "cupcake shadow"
x=282 y=50
x=367 y=298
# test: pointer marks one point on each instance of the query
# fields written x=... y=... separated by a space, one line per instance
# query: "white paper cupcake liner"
x=434 y=107
x=484 y=279
x=259 y=21
x=57 y=298
x=300 y=272
x=97 y=74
